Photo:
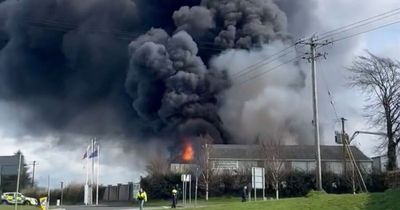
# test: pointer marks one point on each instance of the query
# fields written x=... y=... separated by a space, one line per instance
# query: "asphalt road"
x=105 y=208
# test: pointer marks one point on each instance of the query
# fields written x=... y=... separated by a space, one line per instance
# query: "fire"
x=188 y=152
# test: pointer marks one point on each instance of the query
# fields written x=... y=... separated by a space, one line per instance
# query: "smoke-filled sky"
x=138 y=74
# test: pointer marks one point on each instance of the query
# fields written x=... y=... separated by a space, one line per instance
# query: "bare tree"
x=379 y=78
x=158 y=165
x=273 y=163
x=203 y=161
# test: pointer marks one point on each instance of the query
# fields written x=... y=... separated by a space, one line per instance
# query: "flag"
x=94 y=154
x=84 y=155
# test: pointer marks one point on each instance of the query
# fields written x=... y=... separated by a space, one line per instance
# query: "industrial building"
x=380 y=163
x=234 y=158
x=8 y=172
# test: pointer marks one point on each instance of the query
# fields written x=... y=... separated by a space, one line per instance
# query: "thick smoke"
x=62 y=61
x=272 y=106
x=130 y=68
x=195 y=20
x=167 y=73
x=245 y=24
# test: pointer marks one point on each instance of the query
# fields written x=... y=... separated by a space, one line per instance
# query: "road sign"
x=258 y=178
x=186 y=177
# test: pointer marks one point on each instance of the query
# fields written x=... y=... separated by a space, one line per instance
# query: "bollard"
x=43 y=203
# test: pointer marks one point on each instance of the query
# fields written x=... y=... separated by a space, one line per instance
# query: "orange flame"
x=188 y=152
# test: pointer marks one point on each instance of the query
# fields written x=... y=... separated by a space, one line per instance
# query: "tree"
x=25 y=176
x=273 y=163
x=203 y=161
x=158 y=165
x=379 y=79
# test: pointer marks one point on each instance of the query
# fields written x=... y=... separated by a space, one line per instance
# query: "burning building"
x=234 y=158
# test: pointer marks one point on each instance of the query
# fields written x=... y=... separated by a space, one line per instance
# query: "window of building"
x=306 y=166
x=311 y=166
x=334 y=167
x=225 y=164
x=299 y=166
x=366 y=166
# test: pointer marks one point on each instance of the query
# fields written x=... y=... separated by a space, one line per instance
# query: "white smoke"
x=265 y=105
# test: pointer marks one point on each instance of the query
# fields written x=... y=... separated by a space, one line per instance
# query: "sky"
x=63 y=163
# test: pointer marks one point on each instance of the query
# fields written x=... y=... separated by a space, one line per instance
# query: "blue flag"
x=94 y=154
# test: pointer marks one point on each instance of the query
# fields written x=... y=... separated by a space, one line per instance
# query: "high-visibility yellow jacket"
x=142 y=196
x=174 y=192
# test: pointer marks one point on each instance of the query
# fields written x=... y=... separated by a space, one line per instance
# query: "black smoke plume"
x=126 y=67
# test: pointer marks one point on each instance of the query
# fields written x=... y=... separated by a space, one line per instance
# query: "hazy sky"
x=119 y=166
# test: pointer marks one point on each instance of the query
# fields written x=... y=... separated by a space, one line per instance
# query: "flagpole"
x=87 y=164
x=87 y=195
x=98 y=174
x=92 y=178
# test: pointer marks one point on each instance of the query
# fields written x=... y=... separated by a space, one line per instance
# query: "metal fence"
x=121 y=192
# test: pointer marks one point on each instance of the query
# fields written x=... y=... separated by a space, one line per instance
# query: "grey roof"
x=287 y=152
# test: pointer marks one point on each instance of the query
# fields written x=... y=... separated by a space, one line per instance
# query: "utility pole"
x=48 y=192
x=33 y=172
x=343 y=120
x=62 y=193
x=313 y=55
x=346 y=147
x=18 y=179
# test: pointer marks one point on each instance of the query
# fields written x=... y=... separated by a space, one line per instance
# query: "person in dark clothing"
x=174 y=198
x=244 y=194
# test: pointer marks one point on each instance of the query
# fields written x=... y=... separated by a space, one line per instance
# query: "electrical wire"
x=262 y=74
x=366 y=31
x=335 y=40
x=354 y=25
x=267 y=59
x=330 y=95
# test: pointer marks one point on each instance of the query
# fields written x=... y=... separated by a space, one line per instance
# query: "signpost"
x=196 y=186
x=258 y=180
x=186 y=178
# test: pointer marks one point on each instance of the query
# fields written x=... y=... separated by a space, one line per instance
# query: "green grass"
x=389 y=200
x=11 y=207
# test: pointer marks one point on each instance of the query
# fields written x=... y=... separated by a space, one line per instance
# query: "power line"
x=358 y=26
x=366 y=31
x=251 y=67
x=330 y=95
x=268 y=71
x=349 y=26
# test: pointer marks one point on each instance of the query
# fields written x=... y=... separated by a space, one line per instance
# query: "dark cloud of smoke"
x=61 y=61
x=167 y=73
x=126 y=67
x=195 y=20
x=245 y=24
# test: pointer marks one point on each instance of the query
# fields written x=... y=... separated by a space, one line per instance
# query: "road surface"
x=106 y=208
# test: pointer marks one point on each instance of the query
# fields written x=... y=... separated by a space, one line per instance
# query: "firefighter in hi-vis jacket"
x=141 y=197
